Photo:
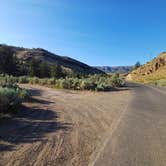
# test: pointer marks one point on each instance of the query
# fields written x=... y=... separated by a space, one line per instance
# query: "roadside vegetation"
x=33 y=71
x=11 y=97
x=90 y=82
x=137 y=65
x=160 y=82
x=14 y=71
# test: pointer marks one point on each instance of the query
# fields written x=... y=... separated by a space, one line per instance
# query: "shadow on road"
x=40 y=101
x=35 y=92
x=29 y=125
x=131 y=85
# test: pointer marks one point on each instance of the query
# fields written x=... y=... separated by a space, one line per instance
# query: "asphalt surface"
x=140 y=136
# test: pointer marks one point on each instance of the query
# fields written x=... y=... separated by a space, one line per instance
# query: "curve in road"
x=140 y=138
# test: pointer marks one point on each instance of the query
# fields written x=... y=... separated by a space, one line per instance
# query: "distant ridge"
x=69 y=64
x=115 y=69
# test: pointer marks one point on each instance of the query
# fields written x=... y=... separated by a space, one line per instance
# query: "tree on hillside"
x=137 y=65
x=56 y=71
x=8 y=61
x=22 y=68
x=44 y=70
x=33 y=67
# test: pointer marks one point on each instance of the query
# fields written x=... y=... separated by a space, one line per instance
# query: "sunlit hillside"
x=152 y=72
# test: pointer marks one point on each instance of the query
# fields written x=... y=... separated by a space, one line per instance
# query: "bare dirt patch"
x=60 y=127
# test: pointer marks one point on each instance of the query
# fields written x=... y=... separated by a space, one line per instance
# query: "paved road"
x=140 y=137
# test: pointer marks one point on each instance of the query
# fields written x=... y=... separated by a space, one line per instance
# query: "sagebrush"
x=90 y=82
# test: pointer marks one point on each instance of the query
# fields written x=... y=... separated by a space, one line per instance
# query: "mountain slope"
x=115 y=69
x=151 y=71
x=42 y=55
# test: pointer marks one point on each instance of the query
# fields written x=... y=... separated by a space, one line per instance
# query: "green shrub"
x=23 y=80
x=51 y=81
x=100 y=87
x=87 y=85
x=41 y=81
x=116 y=81
x=62 y=84
x=11 y=98
x=23 y=94
x=35 y=80
x=76 y=84
x=90 y=82
x=161 y=82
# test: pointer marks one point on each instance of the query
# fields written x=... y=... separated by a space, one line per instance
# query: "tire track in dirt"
x=60 y=127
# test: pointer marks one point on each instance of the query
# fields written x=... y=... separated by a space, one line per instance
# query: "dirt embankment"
x=151 y=71
x=60 y=127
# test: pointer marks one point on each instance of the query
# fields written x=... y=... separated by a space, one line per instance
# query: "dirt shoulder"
x=60 y=127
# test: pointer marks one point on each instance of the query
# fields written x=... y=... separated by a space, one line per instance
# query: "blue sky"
x=97 y=32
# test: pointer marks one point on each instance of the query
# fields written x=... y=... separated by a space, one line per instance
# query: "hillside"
x=69 y=64
x=115 y=69
x=152 y=71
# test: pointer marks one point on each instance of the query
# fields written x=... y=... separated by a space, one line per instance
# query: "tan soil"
x=60 y=127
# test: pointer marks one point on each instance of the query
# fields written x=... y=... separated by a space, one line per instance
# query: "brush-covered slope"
x=69 y=64
x=152 y=71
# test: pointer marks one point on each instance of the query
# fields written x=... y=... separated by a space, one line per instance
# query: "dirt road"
x=61 y=127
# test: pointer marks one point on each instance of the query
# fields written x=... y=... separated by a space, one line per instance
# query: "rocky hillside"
x=67 y=63
x=151 y=71
x=115 y=69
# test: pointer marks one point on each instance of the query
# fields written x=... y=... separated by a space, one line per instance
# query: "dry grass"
x=152 y=72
